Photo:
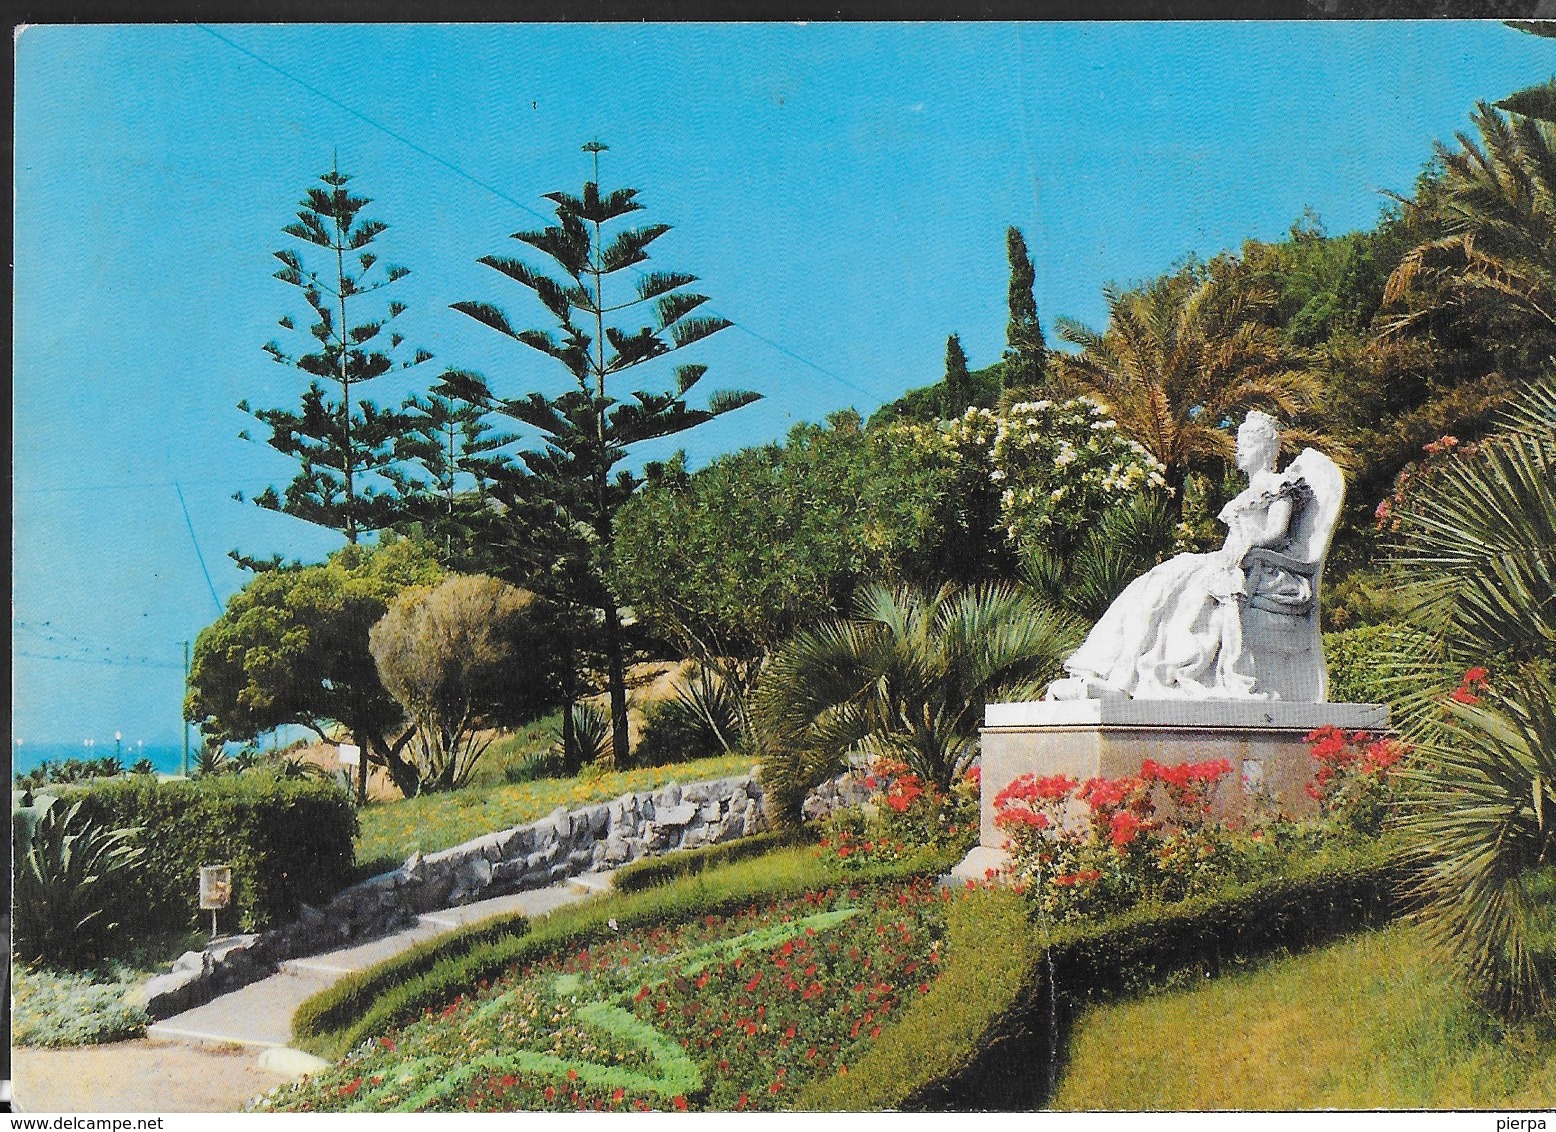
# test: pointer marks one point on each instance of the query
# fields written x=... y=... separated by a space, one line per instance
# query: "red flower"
x=617 y=1095
x=1123 y=828
x=1465 y=696
x=679 y=1102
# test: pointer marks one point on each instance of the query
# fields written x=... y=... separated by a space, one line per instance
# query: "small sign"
x=350 y=754
x=215 y=887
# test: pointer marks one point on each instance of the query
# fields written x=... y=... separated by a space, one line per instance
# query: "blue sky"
x=842 y=190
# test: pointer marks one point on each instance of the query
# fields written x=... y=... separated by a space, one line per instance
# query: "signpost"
x=215 y=890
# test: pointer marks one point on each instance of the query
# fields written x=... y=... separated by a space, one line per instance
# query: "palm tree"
x=1479 y=553
x=1185 y=356
x=1490 y=219
x=907 y=677
x=1122 y=543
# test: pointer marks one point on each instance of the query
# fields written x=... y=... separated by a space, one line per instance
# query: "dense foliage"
x=1479 y=551
x=460 y=658
x=728 y=561
x=58 y=1008
x=288 y=842
x=72 y=874
x=907 y=679
x=292 y=648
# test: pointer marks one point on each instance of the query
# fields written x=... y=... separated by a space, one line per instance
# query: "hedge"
x=982 y=1037
x=1359 y=665
x=646 y=872
x=289 y=843
x=398 y=990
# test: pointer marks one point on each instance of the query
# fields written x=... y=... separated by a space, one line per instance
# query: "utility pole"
x=183 y=721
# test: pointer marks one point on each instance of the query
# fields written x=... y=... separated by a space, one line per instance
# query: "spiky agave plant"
x=907 y=677
x=67 y=871
x=1479 y=549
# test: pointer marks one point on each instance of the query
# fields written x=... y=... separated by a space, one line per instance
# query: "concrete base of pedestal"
x=1109 y=738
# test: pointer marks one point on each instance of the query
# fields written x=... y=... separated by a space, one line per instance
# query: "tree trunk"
x=402 y=772
x=621 y=751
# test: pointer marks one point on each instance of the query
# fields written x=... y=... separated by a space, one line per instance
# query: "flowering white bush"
x=1057 y=464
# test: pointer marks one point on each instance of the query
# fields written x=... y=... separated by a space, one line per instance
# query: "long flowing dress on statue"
x=1176 y=631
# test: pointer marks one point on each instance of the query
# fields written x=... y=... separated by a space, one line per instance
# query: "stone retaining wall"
x=564 y=844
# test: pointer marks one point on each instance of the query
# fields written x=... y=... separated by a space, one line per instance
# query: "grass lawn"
x=1374 y=1021
x=392 y=831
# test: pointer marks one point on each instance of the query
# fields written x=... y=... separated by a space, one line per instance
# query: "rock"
x=599 y=819
x=166 y=995
x=490 y=847
x=414 y=870
x=579 y=860
x=540 y=861
x=197 y=961
x=508 y=872
x=678 y=814
x=669 y=795
x=710 y=812
x=290 y=1063
x=617 y=850
x=515 y=842
x=697 y=791
x=654 y=838
x=476 y=874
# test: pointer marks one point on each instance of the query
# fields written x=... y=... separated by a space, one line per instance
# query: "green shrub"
x=72 y=872
x=993 y=1002
x=371 y=1001
x=288 y=842
x=988 y=945
x=57 y=1009
x=674 y=733
x=650 y=871
x=1359 y=665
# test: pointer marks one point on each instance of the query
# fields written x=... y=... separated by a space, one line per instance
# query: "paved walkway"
x=239 y=1027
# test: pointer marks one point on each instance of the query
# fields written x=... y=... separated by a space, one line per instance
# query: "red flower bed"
x=727 y=1013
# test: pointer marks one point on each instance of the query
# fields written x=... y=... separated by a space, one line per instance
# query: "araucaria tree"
x=1026 y=353
x=344 y=442
x=587 y=429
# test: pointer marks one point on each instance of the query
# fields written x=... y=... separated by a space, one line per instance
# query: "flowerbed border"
x=363 y=1005
x=979 y=1040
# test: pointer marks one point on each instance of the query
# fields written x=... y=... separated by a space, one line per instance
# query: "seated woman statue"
x=1176 y=632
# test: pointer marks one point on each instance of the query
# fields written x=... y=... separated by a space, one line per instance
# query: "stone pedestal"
x=1109 y=738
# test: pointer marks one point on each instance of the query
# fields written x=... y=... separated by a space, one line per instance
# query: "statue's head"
x=1258 y=442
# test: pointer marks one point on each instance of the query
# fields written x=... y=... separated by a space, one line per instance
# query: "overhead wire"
x=455 y=169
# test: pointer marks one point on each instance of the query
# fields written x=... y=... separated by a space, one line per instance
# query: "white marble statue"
x=1240 y=622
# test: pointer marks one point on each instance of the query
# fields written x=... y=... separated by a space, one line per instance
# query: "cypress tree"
x=1026 y=353
x=958 y=382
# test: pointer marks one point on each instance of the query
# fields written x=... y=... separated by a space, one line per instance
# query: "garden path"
x=216 y=1057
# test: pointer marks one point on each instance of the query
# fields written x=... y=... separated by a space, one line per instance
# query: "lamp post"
x=118 y=746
